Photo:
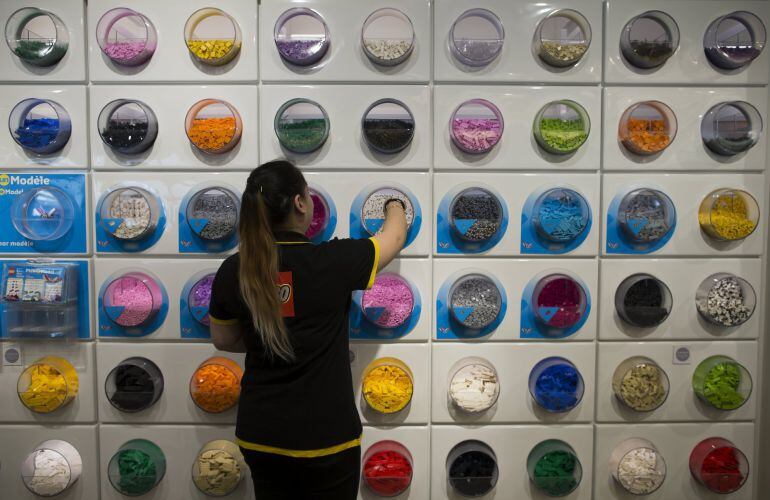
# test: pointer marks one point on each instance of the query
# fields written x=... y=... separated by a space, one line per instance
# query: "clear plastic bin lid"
x=472 y=468
x=726 y=300
x=135 y=384
x=128 y=126
x=136 y=468
x=301 y=36
x=640 y=384
x=199 y=298
x=642 y=300
x=126 y=37
x=301 y=125
x=373 y=208
x=649 y=39
x=731 y=128
x=132 y=299
x=734 y=40
x=212 y=213
x=43 y=214
x=321 y=214
x=722 y=383
x=476 y=126
x=564 y=36
x=556 y=385
x=719 y=465
x=40 y=126
x=554 y=468
x=647 y=128
x=390 y=301
x=213 y=126
x=559 y=301
x=561 y=127
x=560 y=215
x=387 y=37
x=476 y=37
x=475 y=301
x=388 y=126
x=129 y=213
x=646 y=215
x=37 y=37
x=213 y=37
x=475 y=214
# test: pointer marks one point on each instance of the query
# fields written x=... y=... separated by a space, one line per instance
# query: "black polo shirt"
x=305 y=407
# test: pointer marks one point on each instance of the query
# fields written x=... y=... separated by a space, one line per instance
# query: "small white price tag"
x=11 y=355
x=682 y=355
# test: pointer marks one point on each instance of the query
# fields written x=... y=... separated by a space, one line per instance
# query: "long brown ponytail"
x=267 y=201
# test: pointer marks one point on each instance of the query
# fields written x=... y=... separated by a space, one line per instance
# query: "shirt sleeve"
x=223 y=292
x=356 y=260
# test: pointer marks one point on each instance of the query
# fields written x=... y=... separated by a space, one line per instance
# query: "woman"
x=285 y=302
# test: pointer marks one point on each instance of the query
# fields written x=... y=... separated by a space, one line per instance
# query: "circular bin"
x=561 y=127
x=387 y=468
x=562 y=38
x=731 y=128
x=130 y=213
x=126 y=37
x=373 y=208
x=649 y=39
x=40 y=126
x=199 y=298
x=216 y=384
x=642 y=300
x=51 y=468
x=475 y=301
x=719 y=465
x=734 y=40
x=321 y=214
x=389 y=302
x=556 y=385
x=388 y=126
x=213 y=126
x=301 y=36
x=559 y=301
x=37 y=37
x=213 y=37
x=127 y=126
x=133 y=299
x=724 y=299
x=646 y=215
x=387 y=37
x=474 y=385
x=136 y=468
x=722 y=383
x=637 y=466
x=647 y=127
x=43 y=214
x=640 y=384
x=560 y=215
x=387 y=385
x=48 y=384
x=471 y=468
x=301 y=125
x=476 y=37
x=135 y=384
x=219 y=468
x=554 y=468
x=475 y=215
x=476 y=126
x=212 y=213
x=728 y=214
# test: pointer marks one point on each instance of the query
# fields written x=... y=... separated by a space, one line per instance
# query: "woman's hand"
x=393 y=234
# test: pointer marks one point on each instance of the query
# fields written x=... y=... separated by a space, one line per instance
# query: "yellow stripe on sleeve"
x=376 y=262
x=222 y=321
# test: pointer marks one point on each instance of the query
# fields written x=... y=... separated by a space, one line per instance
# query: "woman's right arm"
x=393 y=234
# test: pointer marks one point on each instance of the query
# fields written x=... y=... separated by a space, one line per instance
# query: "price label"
x=682 y=355
x=11 y=355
